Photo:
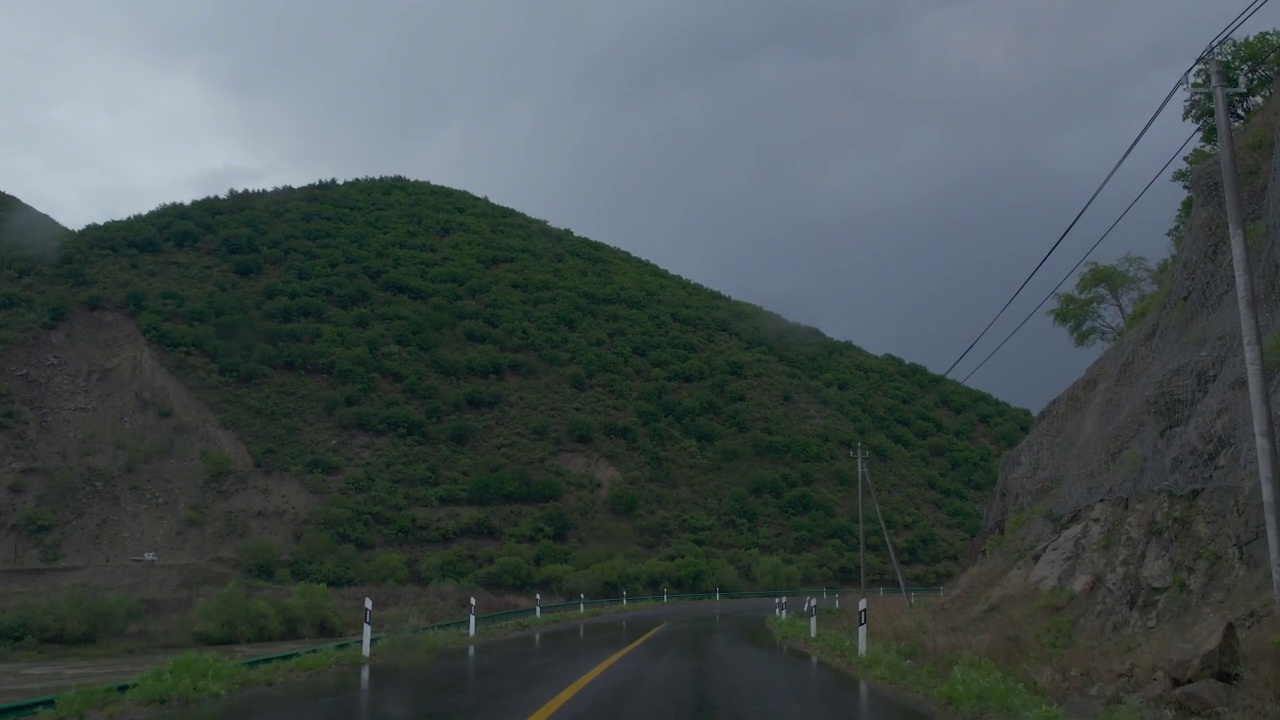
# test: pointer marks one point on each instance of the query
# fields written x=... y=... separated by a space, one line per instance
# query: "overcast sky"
x=886 y=170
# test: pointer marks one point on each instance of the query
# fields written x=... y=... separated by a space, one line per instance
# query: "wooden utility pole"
x=862 y=536
x=1250 y=333
x=862 y=565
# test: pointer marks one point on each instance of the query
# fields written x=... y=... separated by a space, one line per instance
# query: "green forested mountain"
x=432 y=363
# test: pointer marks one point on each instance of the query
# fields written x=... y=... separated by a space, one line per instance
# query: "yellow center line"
x=554 y=703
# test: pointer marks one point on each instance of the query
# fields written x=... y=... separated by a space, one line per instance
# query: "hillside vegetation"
x=447 y=373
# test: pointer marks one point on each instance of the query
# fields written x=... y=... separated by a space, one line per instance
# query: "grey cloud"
x=226 y=177
x=887 y=171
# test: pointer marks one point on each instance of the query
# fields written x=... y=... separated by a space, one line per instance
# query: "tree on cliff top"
x=1110 y=298
x=1254 y=54
x=1104 y=301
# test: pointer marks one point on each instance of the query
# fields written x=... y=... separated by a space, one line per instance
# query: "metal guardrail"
x=23 y=708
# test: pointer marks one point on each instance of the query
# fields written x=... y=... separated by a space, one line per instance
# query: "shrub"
x=232 y=617
x=79 y=618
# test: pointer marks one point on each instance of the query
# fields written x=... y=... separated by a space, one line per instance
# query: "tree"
x=1190 y=161
x=1181 y=223
x=259 y=559
x=1252 y=53
x=1102 y=305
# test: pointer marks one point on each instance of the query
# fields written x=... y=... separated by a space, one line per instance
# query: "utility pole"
x=862 y=537
x=862 y=566
x=1250 y=333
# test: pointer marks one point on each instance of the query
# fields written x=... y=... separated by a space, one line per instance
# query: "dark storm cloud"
x=888 y=171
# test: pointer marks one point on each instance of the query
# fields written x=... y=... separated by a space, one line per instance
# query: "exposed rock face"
x=1137 y=487
x=1213 y=654
x=1139 y=482
x=1203 y=696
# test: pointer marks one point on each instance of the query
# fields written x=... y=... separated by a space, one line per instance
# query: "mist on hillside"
x=29 y=232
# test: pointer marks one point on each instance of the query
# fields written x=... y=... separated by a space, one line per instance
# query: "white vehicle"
x=146 y=557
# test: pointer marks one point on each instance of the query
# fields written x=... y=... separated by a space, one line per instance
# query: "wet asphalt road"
x=705 y=660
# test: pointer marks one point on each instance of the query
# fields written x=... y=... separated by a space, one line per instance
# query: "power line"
x=1219 y=38
x=1152 y=182
x=1222 y=36
x=1072 y=271
x=1063 y=236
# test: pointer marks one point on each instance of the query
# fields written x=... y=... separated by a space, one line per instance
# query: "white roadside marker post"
x=367 y=636
x=862 y=627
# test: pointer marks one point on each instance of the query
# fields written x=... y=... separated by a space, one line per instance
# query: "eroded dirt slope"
x=111 y=457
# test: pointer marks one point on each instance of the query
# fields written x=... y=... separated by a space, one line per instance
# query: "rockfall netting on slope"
x=1166 y=410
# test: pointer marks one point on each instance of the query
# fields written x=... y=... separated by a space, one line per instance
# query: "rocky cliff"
x=1136 y=493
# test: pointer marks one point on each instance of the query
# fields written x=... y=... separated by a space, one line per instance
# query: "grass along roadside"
x=86 y=624
x=963 y=686
x=200 y=676
x=237 y=619
x=192 y=678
